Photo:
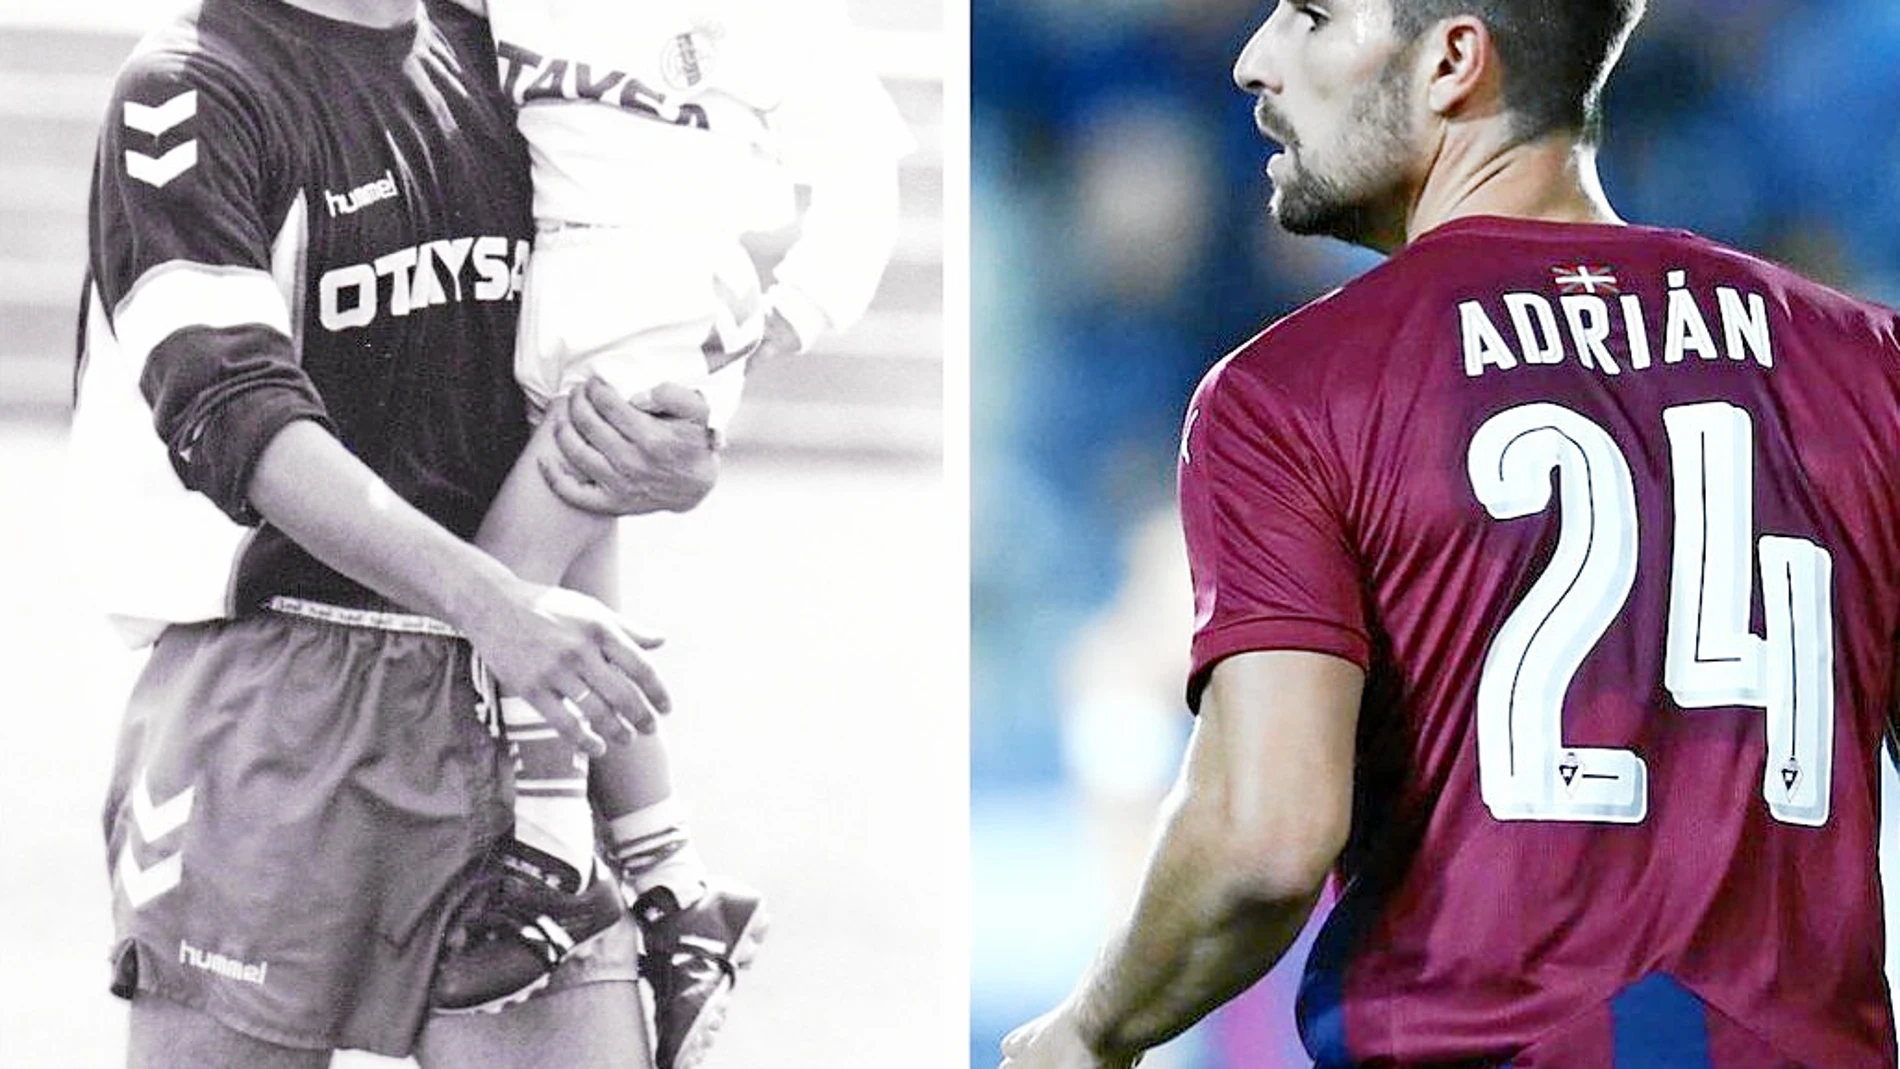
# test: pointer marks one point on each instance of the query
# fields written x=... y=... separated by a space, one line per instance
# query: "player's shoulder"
x=1296 y=354
x=465 y=22
x=195 y=51
x=1270 y=371
x=1799 y=293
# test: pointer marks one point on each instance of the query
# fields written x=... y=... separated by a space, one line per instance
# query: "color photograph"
x=263 y=789
x=1154 y=184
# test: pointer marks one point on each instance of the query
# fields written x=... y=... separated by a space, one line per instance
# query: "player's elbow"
x=1280 y=857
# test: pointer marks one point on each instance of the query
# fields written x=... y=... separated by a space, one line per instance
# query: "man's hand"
x=652 y=453
x=576 y=661
x=1053 y=1041
x=552 y=646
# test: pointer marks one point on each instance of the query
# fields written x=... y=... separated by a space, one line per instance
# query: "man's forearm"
x=1204 y=928
x=309 y=486
x=1258 y=818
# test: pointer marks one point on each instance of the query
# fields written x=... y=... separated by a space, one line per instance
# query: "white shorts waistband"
x=406 y=623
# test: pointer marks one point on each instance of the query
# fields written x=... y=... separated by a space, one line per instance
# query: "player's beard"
x=1362 y=196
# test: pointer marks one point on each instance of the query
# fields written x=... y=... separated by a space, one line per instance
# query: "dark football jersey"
x=1611 y=518
x=295 y=218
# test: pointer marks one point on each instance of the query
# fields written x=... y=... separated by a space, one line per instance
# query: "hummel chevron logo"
x=154 y=822
x=150 y=823
x=143 y=884
x=158 y=170
x=156 y=119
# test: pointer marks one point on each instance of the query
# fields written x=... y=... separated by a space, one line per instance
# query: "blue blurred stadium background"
x=1119 y=246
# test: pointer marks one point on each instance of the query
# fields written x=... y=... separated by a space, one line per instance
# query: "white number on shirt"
x=1526 y=772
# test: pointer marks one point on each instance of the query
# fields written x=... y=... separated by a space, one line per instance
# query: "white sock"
x=651 y=849
x=551 y=808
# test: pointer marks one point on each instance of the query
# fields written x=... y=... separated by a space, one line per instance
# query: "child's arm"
x=840 y=134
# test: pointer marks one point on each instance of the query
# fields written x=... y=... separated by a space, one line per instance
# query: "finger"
x=627 y=658
x=644 y=721
x=571 y=488
x=603 y=414
x=620 y=709
x=563 y=718
x=615 y=707
x=604 y=718
x=582 y=439
x=674 y=401
x=593 y=691
x=641 y=637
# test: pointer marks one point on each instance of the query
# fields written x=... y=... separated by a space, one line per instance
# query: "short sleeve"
x=1268 y=548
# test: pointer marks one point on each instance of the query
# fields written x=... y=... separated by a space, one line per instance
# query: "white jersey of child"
x=660 y=132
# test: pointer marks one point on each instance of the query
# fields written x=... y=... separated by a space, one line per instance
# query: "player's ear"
x=1461 y=63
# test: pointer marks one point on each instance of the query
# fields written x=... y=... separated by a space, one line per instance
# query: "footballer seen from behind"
x=1547 y=579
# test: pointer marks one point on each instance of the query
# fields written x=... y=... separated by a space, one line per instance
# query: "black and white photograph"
x=484 y=582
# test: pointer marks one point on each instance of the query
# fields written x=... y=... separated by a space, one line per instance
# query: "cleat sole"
x=699 y=1040
x=496 y=1005
x=515 y=998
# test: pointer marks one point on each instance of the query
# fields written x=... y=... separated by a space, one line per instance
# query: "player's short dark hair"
x=1556 y=53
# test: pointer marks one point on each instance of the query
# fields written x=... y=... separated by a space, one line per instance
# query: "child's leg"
x=540 y=537
x=632 y=789
x=530 y=529
x=631 y=785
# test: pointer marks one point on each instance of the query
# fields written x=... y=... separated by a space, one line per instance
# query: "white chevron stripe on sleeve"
x=155 y=119
x=158 y=170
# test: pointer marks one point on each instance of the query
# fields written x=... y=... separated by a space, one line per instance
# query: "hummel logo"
x=230 y=968
x=362 y=196
x=153 y=821
x=142 y=884
x=156 y=121
x=150 y=823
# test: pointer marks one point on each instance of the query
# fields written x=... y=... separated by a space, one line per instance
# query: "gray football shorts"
x=293 y=807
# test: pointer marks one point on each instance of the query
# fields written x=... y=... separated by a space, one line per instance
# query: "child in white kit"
x=661 y=132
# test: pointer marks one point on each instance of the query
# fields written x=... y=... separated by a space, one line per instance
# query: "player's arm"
x=543 y=643
x=1254 y=824
x=1264 y=801
x=184 y=206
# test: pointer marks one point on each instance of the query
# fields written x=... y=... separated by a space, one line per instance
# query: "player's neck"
x=380 y=14
x=1553 y=179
